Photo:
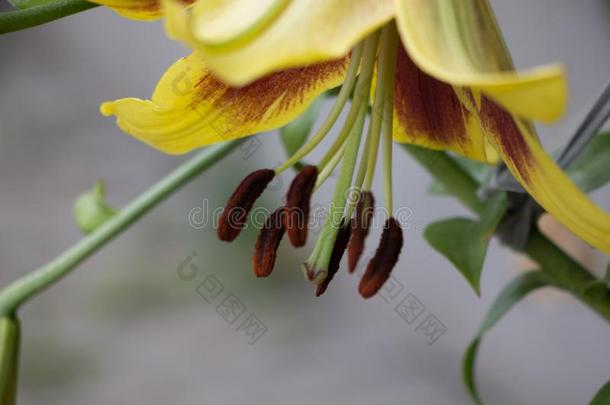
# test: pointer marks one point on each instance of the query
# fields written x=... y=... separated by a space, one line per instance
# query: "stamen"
x=388 y=115
x=333 y=116
x=341 y=242
x=364 y=213
x=385 y=77
x=267 y=243
x=316 y=267
x=297 y=205
x=386 y=257
x=329 y=168
x=235 y=214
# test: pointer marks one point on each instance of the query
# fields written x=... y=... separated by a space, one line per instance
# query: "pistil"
x=316 y=267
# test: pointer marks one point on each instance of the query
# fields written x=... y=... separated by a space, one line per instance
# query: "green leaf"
x=295 y=134
x=603 y=396
x=599 y=290
x=591 y=169
x=479 y=171
x=464 y=241
x=91 y=209
x=514 y=292
x=21 y=4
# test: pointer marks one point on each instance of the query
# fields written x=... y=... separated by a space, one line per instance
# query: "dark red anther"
x=269 y=238
x=386 y=257
x=240 y=203
x=361 y=224
x=298 y=203
x=335 y=259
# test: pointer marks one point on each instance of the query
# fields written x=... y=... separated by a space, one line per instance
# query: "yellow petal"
x=458 y=42
x=144 y=10
x=298 y=32
x=542 y=178
x=429 y=113
x=191 y=107
x=229 y=24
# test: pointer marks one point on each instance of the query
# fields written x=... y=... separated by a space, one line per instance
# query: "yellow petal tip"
x=107 y=109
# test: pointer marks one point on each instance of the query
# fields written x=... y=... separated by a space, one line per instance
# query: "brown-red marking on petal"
x=386 y=257
x=269 y=238
x=426 y=107
x=343 y=238
x=235 y=214
x=364 y=213
x=283 y=89
x=501 y=126
x=298 y=203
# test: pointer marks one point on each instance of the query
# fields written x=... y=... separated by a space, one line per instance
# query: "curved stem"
x=11 y=21
x=23 y=289
x=562 y=270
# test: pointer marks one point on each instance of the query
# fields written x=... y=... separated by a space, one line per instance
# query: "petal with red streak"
x=191 y=107
x=542 y=178
x=429 y=113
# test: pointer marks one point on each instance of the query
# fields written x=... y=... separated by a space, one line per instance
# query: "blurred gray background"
x=124 y=328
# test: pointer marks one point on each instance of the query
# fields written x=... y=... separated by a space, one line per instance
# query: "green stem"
x=562 y=270
x=23 y=289
x=11 y=21
x=9 y=359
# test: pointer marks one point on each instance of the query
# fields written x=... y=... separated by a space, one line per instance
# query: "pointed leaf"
x=591 y=169
x=479 y=171
x=91 y=209
x=464 y=241
x=603 y=396
x=510 y=295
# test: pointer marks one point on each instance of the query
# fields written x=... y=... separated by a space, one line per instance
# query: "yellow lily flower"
x=439 y=74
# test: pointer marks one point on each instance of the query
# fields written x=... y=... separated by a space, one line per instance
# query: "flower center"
x=353 y=189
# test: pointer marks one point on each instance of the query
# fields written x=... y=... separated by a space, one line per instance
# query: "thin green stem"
x=343 y=134
x=11 y=21
x=23 y=289
x=387 y=160
x=324 y=247
x=9 y=359
x=329 y=168
x=561 y=269
x=317 y=263
x=389 y=67
x=378 y=104
x=333 y=116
